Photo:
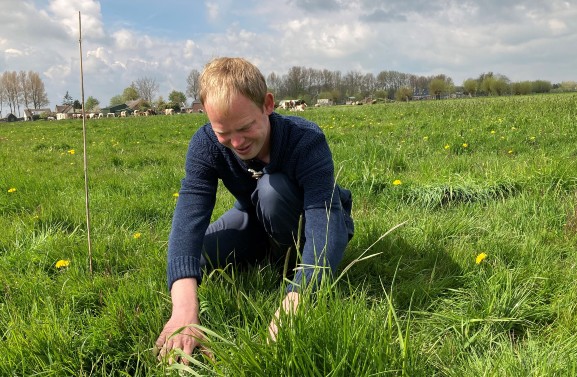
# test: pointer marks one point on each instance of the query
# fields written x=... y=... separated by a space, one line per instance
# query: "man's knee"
x=275 y=194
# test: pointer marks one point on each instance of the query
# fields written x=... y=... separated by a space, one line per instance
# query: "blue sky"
x=126 y=40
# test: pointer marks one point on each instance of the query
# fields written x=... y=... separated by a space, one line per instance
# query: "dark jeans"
x=246 y=237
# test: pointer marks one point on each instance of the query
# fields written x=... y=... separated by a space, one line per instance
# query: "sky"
x=124 y=40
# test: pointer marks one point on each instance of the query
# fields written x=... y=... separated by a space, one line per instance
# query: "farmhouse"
x=31 y=114
x=196 y=107
x=64 y=112
x=325 y=102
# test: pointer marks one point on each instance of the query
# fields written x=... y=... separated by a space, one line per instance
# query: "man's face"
x=245 y=128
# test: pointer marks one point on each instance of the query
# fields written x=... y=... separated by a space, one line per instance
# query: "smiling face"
x=243 y=126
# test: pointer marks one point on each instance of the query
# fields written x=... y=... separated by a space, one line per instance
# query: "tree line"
x=311 y=84
x=22 y=89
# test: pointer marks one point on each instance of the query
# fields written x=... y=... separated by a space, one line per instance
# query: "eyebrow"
x=242 y=128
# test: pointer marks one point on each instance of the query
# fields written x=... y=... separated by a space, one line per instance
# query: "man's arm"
x=185 y=312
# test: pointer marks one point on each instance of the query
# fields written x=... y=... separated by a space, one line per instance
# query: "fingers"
x=187 y=340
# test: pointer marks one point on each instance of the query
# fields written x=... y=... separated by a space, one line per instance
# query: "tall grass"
x=492 y=175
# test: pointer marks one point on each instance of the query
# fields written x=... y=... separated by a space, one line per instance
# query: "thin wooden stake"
x=85 y=155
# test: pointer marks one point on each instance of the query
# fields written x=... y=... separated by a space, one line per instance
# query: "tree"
x=130 y=93
x=177 y=97
x=160 y=104
x=67 y=100
x=116 y=100
x=91 y=103
x=146 y=88
x=192 y=85
x=11 y=90
x=404 y=94
x=38 y=94
x=24 y=89
x=470 y=86
x=437 y=87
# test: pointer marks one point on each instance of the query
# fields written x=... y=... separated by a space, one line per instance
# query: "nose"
x=236 y=140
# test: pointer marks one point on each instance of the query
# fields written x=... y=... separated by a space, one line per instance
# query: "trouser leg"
x=279 y=206
x=236 y=237
x=268 y=230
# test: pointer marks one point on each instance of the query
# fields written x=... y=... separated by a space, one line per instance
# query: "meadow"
x=463 y=263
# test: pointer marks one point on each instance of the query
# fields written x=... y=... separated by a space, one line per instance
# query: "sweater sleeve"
x=326 y=233
x=196 y=200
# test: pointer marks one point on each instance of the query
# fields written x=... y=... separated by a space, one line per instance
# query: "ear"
x=269 y=103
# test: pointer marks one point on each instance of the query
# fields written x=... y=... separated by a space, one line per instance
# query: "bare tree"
x=24 y=88
x=2 y=96
x=38 y=96
x=11 y=90
x=192 y=86
x=147 y=88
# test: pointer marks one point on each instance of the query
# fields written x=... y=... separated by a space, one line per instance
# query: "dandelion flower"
x=12 y=189
x=492 y=131
x=481 y=257
x=397 y=182
x=465 y=145
x=137 y=235
x=175 y=195
x=71 y=151
x=510 y=151
x=447 y=146
x=62 y=263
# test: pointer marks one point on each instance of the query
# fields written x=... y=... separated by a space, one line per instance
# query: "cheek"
x=223 y=140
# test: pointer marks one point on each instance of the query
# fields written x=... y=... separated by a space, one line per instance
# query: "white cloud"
x=12 y=52
x=67 y=14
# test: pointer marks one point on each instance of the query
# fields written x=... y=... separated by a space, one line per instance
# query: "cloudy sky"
x=125 y=40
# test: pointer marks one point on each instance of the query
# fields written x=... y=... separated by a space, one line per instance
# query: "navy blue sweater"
x=298 y=149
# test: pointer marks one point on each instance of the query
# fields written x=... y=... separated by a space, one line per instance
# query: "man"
x=278 y=168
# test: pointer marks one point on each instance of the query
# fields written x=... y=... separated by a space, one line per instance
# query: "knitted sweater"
x=298 y=148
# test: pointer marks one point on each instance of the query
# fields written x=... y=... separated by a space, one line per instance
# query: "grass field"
x=492 y=177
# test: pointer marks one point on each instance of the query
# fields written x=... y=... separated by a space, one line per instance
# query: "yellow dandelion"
x=175 y=195
x=62 y=263
x=137 y=235
x=71 y=151
x=397 y=182
x=447 y=146
x=12 y=189
x=510 y=151
x=481 y=257
x=465 y=145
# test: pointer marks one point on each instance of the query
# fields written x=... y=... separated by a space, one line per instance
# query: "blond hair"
x=224 y=77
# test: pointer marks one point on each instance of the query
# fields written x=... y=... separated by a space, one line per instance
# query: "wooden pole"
x=85 y=155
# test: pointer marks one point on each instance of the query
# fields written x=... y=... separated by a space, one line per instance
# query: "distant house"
x=31 y=114
x=325 y=102
x=116 y=110
x=196 y=107
x=64 y=112
x=136 y=104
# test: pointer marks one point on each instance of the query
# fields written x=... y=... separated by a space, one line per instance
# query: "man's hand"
x=289 y=307
x=184 y=316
